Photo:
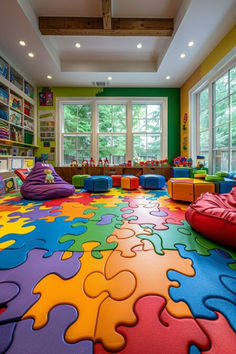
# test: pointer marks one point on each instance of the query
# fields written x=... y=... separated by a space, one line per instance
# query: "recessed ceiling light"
x=31 y=55
x=139 y=45
x=22 y=43
x=183 y=55
x=77 y=45
x=191 y=43
x=49 y=77
x=168 y=77
x=109 y=78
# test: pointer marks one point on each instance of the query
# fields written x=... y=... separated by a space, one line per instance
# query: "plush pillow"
x=214 y=216
x=44 y=183
x=22 y=173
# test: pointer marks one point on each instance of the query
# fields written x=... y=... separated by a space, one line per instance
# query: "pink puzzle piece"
x=158 y=332
x=144 y=216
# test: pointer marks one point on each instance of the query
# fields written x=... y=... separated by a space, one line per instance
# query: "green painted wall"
x=173 y=95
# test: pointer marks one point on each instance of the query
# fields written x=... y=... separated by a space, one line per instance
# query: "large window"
x=119 y=130
x=216 y=122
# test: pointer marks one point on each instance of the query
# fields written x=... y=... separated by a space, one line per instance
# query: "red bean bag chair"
x=214 y=216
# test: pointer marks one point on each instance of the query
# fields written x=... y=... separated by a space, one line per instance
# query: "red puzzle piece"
x=222 y=336
x=158 y=332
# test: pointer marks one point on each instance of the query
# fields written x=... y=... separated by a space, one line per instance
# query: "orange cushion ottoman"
x=188 y=189
x=116 y=179
x=129 y=182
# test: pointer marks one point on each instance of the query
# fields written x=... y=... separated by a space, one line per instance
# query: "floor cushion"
x=214 y=216
x=152 y=181
x=98 y=183
x=116 y=180
x=78 y=180
x=129 y=182
x=188 y=189
x=44 y=183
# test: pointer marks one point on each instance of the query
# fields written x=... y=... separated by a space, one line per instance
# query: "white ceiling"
x=205 y=22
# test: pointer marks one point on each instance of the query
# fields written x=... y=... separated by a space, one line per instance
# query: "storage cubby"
x=16 y=78
x=4 y=68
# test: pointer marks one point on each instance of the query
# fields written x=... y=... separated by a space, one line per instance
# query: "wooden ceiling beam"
x=106 y=14
x=93 y=26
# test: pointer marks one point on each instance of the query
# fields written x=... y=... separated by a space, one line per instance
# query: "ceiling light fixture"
x=183 y=55
x=139 y=45
x=109 y=78
x=168 y=77
x=22 y=43
x=191 y=43
x=49 y=77
x=77 y=45
x=31 y=55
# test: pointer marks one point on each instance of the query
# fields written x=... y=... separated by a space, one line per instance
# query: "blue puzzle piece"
x=205 y=284
x=227 y=308
x=229 y=283
x=194 y=350
x=45 y=236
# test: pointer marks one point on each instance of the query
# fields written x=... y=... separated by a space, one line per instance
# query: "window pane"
x=139 y=125
x=232 y=74
x=222 y=112
x=153 y=111
x=77 y=118
x=233 y=133
x=76 y=148
x=119 y=111
x=153 y=125
x=221 y=159
x=139 y=111
x=204 y=119
x=204 y=140
x=221 y=87
x=105 y=125
x=204 y=99
x=153 y=147
x=222 y=135
x=233 y=107
x=112 y=147
x=146 y=147
x=233 y=161
x=112 y=118
x=139 y=147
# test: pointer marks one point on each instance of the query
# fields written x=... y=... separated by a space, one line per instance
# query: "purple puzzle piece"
x=105 y=219
x=35 y=214
x=28 y=275
x=6 y=335
x=8 y=291
x=50 y=338
x=159 y=213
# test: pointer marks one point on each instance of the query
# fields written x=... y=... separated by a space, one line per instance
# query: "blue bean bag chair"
x=44 y=183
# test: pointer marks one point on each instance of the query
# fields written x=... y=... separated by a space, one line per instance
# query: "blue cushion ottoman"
x=152 y=181
x=98 y=183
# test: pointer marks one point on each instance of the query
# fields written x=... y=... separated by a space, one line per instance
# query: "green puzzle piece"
x=176 y=234
x=106 y=210
x=94 y=233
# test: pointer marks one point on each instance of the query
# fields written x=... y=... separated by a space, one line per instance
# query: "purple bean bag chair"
x=44 y=183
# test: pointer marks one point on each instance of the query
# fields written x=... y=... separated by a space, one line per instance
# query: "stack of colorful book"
x=4 y=130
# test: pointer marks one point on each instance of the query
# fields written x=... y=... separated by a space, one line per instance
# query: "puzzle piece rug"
x=118 y=272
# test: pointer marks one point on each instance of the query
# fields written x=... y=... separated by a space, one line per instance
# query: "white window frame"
x=94 y=101
x=219 y=69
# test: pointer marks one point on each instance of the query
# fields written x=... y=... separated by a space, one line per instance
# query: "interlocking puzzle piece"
x=71 y=292
x=81 y=197
x=169 y=203
x=30 y=273
x=45 y=235
x=126 y=230
x=175 y=235
x=104 y=210
x=94 y=233
x=19 y=227
x=35 y=213
x=8 y=290
x=49 y=339
x=136 y=202
x=125 y=245
x=6 y=335
x=141 y=215
x=150 y=271
x=106 y=219
x=158 y=332
x=205 y=284
x=210 y=245
x=221 y=335
x=72 y=211
x=227 y=308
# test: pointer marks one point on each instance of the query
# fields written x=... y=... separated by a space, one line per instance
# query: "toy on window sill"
x=84 y=163
x=129 y=163
x=106 y=162
x=180 y=161
x=92 y=163
x=74 y=163
x=189 y=162
x=100 y=163
x=164 y=163
x=200 y=163
x=155 y=163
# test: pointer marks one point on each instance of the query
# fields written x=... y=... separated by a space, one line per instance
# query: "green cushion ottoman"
x=78 y=180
